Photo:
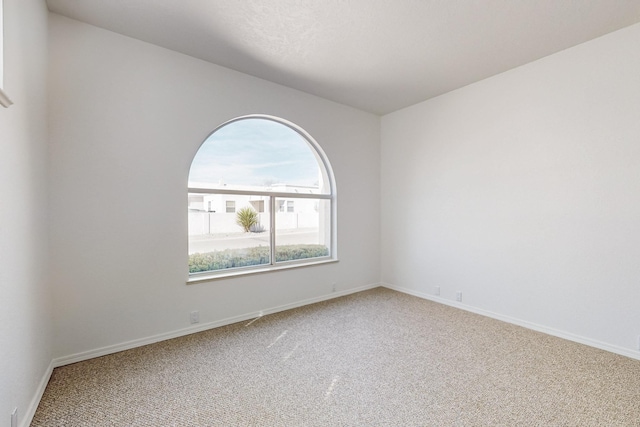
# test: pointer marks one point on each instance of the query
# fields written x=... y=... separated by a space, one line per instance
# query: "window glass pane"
x=303 y=232
x=258 y=155
x=220 y=240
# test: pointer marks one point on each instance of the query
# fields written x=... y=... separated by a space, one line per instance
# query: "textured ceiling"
x=375 y=55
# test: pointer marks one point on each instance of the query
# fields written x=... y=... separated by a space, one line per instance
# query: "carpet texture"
x=375 y=358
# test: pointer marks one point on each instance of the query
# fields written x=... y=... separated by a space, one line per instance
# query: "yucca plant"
x=246 y=218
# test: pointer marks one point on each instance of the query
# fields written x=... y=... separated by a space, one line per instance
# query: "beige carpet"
x=376 y=358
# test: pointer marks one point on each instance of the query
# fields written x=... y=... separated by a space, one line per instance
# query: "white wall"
x=126 y=120
x=523 y=192
x=25 y=316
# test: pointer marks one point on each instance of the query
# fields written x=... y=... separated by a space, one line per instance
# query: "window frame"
x=272 y=197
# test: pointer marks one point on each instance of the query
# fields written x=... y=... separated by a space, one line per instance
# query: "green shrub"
x=232 y=258
x=246 y=218
x=291 y=252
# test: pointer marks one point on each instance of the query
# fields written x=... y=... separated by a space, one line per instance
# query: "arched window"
x=261 y=196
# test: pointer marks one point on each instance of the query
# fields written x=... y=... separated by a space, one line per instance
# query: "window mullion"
x=272 y=236
x=259 y=193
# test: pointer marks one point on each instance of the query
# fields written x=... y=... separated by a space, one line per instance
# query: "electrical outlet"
x=436 y=290
x=459 y=296
x=638 y=342
x=14 y=417
x=195 y=317
x=334 y=287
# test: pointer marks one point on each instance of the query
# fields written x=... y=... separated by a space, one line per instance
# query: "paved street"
x=209 y=243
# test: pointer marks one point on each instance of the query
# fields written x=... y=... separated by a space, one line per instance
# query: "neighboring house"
x=216 y=213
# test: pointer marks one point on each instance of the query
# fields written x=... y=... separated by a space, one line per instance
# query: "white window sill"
x=4 y=99
x=209 y=276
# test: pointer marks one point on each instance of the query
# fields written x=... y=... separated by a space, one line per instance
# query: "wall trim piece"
x=525 y=324
x=25 y=420
x=90 y=354
x=4 y=99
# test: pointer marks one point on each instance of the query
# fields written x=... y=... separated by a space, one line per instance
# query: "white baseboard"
x=525 y=324
x=25 y=420
x=90 y=354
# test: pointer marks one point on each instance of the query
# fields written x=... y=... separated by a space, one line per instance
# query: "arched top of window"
x=261 y=153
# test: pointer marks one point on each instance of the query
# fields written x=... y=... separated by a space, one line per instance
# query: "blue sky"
x=255 y=152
